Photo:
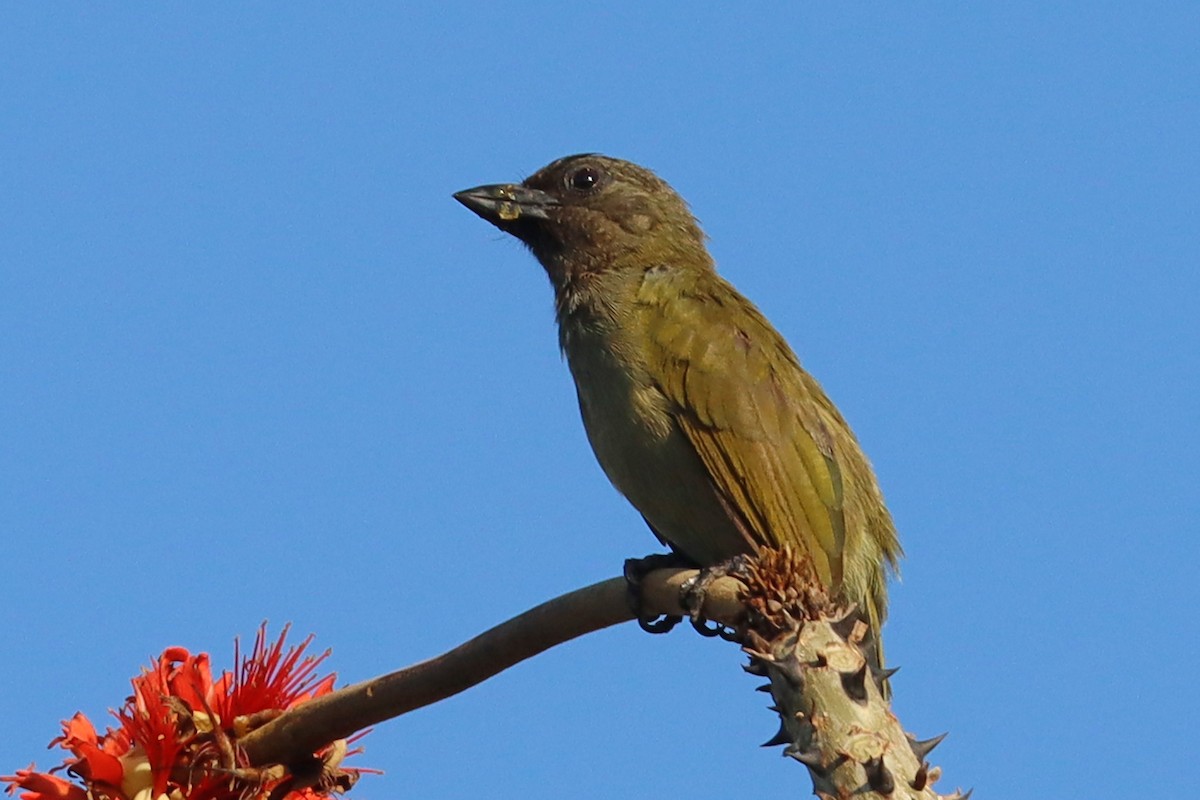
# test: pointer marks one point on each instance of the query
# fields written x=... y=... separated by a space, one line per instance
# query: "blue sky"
x=255 y=363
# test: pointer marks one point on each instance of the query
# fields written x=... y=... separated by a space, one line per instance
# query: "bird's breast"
x=628 y=419
x=632 y=430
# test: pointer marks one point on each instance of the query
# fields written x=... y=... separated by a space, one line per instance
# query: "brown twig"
x=834 y=712
x=298 y=733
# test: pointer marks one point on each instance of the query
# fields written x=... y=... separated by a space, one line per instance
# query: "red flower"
x=178 y=731
x=97 y=759
x=40 y=786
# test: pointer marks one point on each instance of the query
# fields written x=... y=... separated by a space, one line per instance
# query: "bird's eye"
x=584 y=179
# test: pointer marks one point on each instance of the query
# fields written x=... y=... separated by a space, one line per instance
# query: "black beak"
x=504 y=203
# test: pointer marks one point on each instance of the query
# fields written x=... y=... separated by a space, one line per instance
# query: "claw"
x=691 y=594
x=662 y=624
x=635 y=570
x=638 y=568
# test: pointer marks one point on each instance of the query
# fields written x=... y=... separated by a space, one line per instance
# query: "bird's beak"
x=504 y=203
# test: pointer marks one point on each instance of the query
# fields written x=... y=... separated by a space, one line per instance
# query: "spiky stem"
x=835 y=719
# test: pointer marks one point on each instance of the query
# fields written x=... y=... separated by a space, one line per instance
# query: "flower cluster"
x=177 y=734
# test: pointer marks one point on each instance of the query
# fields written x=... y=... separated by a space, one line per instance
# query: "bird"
x=696 y=408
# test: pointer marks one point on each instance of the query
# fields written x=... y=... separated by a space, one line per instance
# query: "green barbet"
x=697 y=409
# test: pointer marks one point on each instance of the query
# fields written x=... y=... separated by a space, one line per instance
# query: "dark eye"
x=584 y=179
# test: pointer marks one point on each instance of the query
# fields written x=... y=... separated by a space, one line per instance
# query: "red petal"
x=40 y=786
x=96 y=766
x=77 y=731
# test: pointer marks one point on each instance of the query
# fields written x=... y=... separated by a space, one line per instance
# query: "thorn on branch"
x=811 y=758
x=923 y=747
x=781 y=737
x=882 y=676
x=879 y=777
x=757 y=666
x=855 y=684
x=850 y=627
x=921 y=779
x=792 y=670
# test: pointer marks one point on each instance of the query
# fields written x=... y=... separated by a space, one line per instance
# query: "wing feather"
x=751 y=413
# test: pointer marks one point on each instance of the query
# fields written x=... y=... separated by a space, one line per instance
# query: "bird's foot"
x=691 y=596
x=636 y=569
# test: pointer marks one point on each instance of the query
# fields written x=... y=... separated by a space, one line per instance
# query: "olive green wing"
x=754 y=417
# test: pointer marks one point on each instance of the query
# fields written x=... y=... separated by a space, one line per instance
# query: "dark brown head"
x=589 y=213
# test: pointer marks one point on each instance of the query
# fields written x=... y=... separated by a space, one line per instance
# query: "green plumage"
x=697 y=409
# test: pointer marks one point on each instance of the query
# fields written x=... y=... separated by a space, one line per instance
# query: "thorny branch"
x=835 y=718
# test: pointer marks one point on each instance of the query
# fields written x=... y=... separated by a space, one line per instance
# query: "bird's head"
x=589 y=214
